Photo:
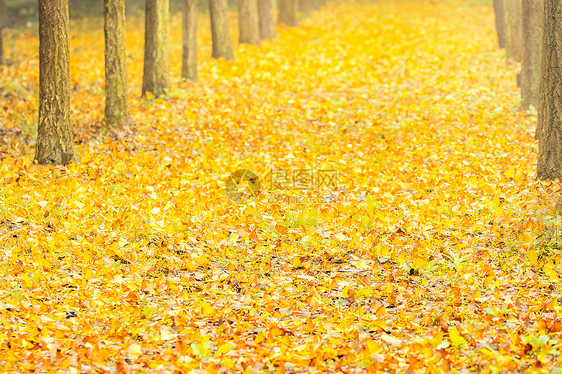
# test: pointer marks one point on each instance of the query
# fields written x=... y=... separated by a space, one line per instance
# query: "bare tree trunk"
x=189 y=43
x=156 y=57
x=500 y=22
x=2 y=20
x=513 y=30
x=248 y=22
x=1 y=48
x=533 y=14
x=549 y=128
x=116 y=110
x=220 y=30
x=307 y=7
x=266 y=10
x=288 y=13
x=54 y=134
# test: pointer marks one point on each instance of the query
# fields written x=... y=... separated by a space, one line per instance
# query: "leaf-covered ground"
x=435 y=252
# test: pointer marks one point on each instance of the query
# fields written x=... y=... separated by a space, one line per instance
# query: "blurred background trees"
x=20 y=12
x=189 y=40
x=519 y=27
x=55 y=134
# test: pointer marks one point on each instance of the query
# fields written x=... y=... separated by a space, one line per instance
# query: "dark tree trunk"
x=189 y=43
x=116 y=110
x=156 y=58
x=220 y=30
x=266 y=10
x=248 y=29
x=513 y=30
x=1 y=48
x=533 y=14
x=54 y=135
x=500 y=22
x=288 y=13
x=2 y=20
x=549 y=128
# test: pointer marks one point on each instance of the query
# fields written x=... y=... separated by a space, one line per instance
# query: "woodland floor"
x=436 y=251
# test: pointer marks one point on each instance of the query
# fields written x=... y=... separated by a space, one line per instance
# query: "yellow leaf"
x=456 y=338
x=373 y=347
x=206 y=308
x=227 y=362
x=225 y=348
x=134 y=350
x=401 y=258
x=420 y=263
x=532 y=256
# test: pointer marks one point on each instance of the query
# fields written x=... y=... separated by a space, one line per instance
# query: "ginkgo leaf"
x=456 y=339
x=398 y=225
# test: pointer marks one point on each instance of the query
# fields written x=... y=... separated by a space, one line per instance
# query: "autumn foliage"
x=435 y=252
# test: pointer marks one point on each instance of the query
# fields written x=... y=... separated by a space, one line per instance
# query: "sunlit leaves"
x=435 y=250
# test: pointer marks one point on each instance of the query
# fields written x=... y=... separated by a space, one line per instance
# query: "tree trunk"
x=2 y=19
x=220 y=30
x=549 y=127
x=500 y=22
x=116 y=110
x=248 y=22
x=156 y=58
x=266 y=10
x=54 y=134
x=1 y=48
x=288 y=13
x=307 y=7
x=533 y=14
x=189 y=42
x=513 y=30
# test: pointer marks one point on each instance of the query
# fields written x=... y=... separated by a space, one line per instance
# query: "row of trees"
x=519 y=25
x=531 y=33
x=54 y=137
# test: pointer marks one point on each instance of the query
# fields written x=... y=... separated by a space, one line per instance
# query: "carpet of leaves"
x=436 y=251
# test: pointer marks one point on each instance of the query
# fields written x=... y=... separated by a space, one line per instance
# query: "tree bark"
x=532 y=21
x=500 y=22
x=220 y=30
x=248 y=29
x=549 y=127
x=307 y=7
x=156 y=54
x=513 y=30
x=54 y=136
x=189 y=42
x=116 y=109
x=266 y=11
x=288 y=13
x=2 y=20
